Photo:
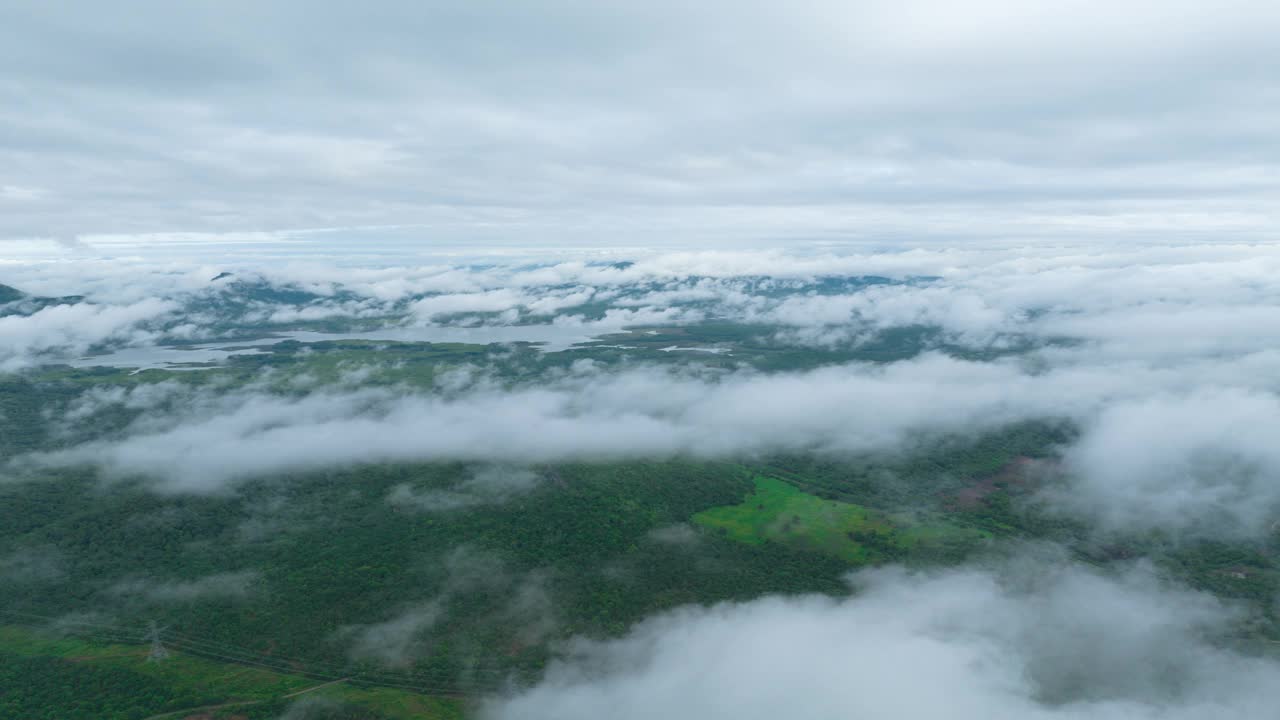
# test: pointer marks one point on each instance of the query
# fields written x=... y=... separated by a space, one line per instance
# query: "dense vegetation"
x=91 y=675
x=404 y=577
x=40 y=688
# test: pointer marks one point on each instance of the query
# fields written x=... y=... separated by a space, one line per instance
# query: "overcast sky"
x=642 y=122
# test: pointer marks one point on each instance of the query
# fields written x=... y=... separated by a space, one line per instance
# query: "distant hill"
x=10 y=305
x=9 y=294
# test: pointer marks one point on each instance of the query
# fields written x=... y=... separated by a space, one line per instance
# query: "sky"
x=638 y=123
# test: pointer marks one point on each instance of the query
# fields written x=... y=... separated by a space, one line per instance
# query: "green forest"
x=297 y=575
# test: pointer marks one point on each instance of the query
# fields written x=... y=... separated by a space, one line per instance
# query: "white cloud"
x=482 y=302
x=1203 y=461
x=488 y=484
x=1060 y=642
x=1183 y=446
x=73 y=329
x=219 y=586
x=592 y=415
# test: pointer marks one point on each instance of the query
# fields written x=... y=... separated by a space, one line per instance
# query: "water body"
x=551 y=338
x=171 y=358
x=711 y=350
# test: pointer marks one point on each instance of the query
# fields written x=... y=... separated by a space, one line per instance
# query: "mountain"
x=9 y=294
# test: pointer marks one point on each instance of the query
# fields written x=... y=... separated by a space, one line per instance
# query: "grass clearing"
x=777 y=511
x=780 y=512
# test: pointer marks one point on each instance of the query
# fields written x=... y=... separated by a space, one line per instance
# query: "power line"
x=426 y=682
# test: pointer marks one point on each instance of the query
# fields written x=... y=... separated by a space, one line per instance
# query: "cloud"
x=228 y=585
x=1122 y=334
x=1204 y=461
x=573 y=124
x=63 y=330
x=1152 y=301
x=590 y=414
x=406 y=636
x=677 y=534
x=489 y=301
x=143 y=396
x=34 y=564
x=395 y=642
x=1180 y=446
x=488 y=484
x=1167 y=366
x=1055 y=642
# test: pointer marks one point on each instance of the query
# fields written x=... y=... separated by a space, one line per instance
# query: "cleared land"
x=780 y=512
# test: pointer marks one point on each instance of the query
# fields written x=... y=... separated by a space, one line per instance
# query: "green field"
x=73 y=677
x=780 y=512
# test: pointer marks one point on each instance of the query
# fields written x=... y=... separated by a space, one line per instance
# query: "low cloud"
x=40 y=563
x=221 y=586
x=398 y=641
x=407 y=635
x=488 y=484
x=641 y=413
x=1179 y=329
x=1043 y=640
x=1204 y=461
x=678 y=534
x=69 y=330
x=1214 y=465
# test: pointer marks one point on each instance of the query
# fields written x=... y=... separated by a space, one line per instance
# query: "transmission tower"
x=158 y=650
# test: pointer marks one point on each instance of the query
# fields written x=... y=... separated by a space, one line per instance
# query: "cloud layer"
x=1148 y=302
x=1186 y=448
x=1054 y=642
x=643 y=123
x=1164 y=356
